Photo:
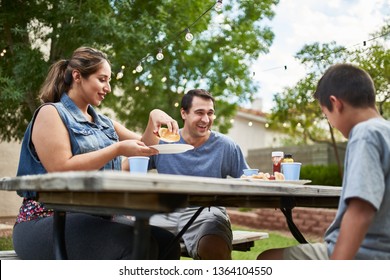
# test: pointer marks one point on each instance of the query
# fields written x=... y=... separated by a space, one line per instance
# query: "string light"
x=189 y=36
x=218 y=6
x=160 y=55
x=120 y=73
x=322 y=56
x=3 y=52
x=139 y=68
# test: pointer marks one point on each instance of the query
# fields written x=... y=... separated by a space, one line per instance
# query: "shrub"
x=321 y=174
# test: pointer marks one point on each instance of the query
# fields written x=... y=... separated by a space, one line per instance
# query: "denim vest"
x=84 y=137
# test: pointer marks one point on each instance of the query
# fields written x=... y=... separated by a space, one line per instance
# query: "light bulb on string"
x=160 y=55
x=139 y=68
x=120 y=73
x=189 y=36
x=218 y=6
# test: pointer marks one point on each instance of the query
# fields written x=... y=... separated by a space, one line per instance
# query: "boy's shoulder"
x=372 y=126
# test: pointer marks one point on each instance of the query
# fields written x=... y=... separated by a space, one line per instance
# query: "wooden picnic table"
x=142 y=195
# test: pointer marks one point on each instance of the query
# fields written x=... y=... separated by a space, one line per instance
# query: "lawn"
x=275 y=240
x=6 y=244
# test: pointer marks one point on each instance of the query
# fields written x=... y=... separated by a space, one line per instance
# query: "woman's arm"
x=51 y=140
x=156 y=119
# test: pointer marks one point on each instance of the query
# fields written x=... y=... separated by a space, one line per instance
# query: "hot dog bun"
x=279 y=176
x=168 y=136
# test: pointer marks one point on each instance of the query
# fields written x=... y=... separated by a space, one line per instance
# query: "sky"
x=300 y=22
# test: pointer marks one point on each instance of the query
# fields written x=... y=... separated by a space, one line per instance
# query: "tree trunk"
x=336 y=151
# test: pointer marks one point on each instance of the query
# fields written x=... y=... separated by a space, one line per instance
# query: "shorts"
x=211 y=221
x=308 y=251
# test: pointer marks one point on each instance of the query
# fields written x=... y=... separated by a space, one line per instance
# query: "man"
x=214 y=155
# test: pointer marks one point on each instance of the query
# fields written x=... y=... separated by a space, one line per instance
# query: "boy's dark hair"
x=348 y=83
x=186 y=101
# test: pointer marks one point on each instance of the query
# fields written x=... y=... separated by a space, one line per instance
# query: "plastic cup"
x=138 y=164
x=251 y=171
x=291 y=170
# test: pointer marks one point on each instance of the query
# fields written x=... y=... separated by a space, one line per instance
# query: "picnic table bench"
x=242 y=241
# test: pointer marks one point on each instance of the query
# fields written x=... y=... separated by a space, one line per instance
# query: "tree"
x=376 y=61
x=37 y=33
x=295 y=106
x=297 y=109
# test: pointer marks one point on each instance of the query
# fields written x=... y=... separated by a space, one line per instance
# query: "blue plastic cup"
x=291 y=170
x=138 y=164
x=251 y=171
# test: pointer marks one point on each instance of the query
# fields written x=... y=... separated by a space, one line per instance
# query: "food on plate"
x=167 y=136
x=279 y=176
x=266 y=176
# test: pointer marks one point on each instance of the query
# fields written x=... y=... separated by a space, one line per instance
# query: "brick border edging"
x=310 y=221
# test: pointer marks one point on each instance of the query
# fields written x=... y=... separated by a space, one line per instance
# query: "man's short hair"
x=186 y=101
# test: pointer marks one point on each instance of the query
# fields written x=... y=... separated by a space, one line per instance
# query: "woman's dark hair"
x=348 y=83
x=59 y=79
x=186 y=101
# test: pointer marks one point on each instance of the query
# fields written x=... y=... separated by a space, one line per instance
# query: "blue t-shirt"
x=367 y=176
x=218 y=157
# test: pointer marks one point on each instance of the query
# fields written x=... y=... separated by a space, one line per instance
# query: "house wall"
x=9 y=159
x=253 y=137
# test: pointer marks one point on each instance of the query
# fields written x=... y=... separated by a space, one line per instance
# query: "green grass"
x=275 y=240
x=6 y=244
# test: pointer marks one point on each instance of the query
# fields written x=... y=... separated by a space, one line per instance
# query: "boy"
x=361 y=228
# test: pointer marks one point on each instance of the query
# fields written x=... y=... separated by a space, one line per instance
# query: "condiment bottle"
x=288 y=158
x=277 y=157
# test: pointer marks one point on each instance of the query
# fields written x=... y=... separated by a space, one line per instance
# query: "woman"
x=66 y=133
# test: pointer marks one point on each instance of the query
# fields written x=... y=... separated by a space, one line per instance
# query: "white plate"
x=172 y=148
x=282 y=182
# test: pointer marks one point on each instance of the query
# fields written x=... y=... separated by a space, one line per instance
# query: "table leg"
x=287 y=204
x=141 y=238
x=59 y=235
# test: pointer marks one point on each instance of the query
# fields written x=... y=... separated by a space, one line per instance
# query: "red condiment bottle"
x=277 y=157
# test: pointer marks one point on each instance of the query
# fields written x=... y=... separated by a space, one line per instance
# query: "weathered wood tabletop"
x=161 y=192
x=142 y=195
